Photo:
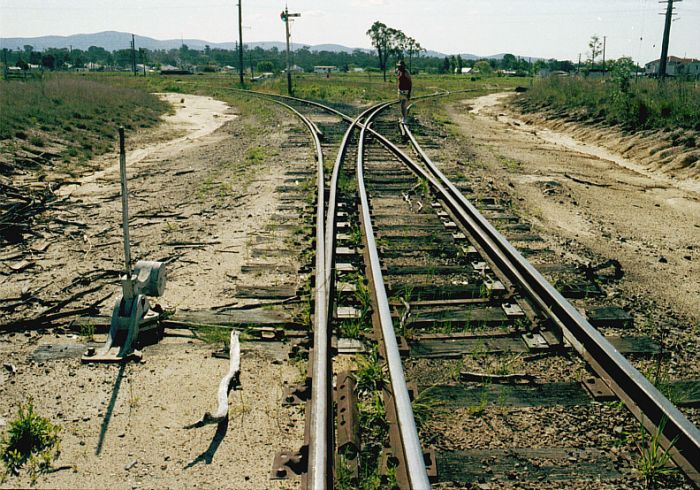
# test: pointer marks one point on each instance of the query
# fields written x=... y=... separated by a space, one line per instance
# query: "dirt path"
x=489 y=106
x=588 y=197
x=194 y=117
x=203 y=195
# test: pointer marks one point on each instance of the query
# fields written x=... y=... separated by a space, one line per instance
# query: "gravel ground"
x=204 y=194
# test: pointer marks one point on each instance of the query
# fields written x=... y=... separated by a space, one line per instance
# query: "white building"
x=325 y=69
x=675 y=66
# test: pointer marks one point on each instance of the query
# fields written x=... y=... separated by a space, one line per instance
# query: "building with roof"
x=675 y=66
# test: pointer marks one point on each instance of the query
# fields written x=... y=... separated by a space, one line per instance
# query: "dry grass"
x=633 y=103
x=79 y=115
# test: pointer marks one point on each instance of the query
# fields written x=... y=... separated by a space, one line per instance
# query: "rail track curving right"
x=552 y=316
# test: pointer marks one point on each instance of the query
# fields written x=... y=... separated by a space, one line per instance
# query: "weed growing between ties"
x=343 y=475
x=653 y=462
x=87 y=331
x=31 y=440
x=374 y=429
x=426 y=406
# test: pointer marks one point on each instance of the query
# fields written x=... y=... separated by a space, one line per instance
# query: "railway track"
x=439 y=309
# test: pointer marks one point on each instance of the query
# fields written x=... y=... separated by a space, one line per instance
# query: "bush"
x=32 y=438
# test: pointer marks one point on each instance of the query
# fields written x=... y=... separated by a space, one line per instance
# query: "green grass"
x=425 y=406
x=342 y=89
x=632 y=103
x=370 y=373
x=653 y=459
x=212 y=334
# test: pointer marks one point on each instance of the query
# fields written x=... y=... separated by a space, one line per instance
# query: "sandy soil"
x=200 y=201
x=588 y=196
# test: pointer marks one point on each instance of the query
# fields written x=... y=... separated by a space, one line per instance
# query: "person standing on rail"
x=405 y=87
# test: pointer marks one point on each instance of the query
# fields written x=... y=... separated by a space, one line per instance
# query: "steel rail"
x=333 y=185
x=319 y=473
x=413 y=452
x=643 y=399
x=410 y=441
x=318 y=476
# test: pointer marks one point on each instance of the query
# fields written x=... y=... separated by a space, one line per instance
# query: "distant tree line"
x=395 y=45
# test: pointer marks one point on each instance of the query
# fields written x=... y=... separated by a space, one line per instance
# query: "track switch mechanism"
x=132 y=315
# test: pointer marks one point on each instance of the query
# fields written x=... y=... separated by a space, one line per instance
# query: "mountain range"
x=113 y=40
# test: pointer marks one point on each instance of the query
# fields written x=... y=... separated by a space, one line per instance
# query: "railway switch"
x=132 y=315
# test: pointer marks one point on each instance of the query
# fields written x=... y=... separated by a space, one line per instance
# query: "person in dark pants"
x=405 y=87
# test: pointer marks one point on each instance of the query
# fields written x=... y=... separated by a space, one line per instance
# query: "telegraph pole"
x=605 y=38
x=667 y=35
x=240 y=41
x=285 y=15
x=133 y=55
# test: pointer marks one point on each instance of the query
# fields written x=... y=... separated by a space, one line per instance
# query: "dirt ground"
x=591 y=197
x=203 y=196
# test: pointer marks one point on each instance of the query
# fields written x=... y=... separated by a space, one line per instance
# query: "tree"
x=48 y=61
x=412 y=46
x=483 y=67
x=265 y=66
x=596 y=48
x=386 y=40
x=509 y=61
x=460 y=64
x=445 y=68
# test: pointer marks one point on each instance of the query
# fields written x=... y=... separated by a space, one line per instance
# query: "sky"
x=539 y=28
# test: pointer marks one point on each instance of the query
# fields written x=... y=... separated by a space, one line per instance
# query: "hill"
x=113 y=40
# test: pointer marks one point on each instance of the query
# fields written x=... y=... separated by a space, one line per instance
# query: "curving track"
x=499 y=275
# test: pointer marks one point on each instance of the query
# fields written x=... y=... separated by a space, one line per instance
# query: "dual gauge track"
x=410 y=275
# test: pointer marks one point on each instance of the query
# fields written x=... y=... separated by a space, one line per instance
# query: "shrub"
x=31 y=438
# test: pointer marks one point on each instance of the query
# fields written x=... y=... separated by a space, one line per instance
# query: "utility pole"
x=240 y=41
x=133 y=55
x=604 y=41
x=285 y=15
x=667 y=35
x=578 y=70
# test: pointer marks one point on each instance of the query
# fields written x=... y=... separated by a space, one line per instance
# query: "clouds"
x=368 y=3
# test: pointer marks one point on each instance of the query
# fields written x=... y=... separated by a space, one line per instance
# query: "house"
x=325 y=69
x=466 y=70
x=675 y=66
x=262 y=76
x=596 y=73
